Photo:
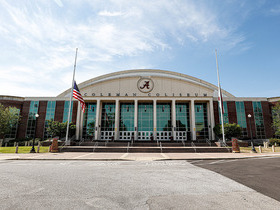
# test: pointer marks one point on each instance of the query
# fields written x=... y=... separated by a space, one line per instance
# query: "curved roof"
x=146 y=73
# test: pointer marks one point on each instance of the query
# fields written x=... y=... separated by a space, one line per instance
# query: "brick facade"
x=267 y=117
x=232 y=116
x=41 y=119
x=24 y=117
x=59 y=109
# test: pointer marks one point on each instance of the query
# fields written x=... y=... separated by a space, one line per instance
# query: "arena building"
x=144 y=105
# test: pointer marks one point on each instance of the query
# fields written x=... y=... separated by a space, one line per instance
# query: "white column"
x=155 y=118
x=117 y=119
x=78 y=122
x=97 y=120
x=173 y=119
x=212 y=118
x=135 y=119
x=193 y=129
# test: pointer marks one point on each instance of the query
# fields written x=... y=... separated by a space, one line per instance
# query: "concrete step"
x=145 y=149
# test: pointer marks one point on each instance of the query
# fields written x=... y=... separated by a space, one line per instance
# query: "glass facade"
x=49 y=116
x=260 y=131
x=183 y=120
x=33 y=110
x=201 y=121
x=241 y=117
x=89 y=121
x=145 y=117
x=108 y=117
x=164 y=117
x=126 y=117
x=66 y=110
x=225 y=113
x=13 y=132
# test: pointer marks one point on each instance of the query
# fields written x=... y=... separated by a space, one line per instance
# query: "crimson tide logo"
x=145 y=85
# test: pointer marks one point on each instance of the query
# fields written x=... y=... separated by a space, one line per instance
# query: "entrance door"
x=145 y=121
x=126 y=121
x=108 y=121
x=164 y=125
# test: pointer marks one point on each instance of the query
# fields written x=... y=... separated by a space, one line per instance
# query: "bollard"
x=38 y=148
x=235 y=146
x=1 y=142
x=25 y=144
x=50 y=148
x=16 y=148
x=273 y=148
x=54 y=147
x=260 y=149
x=28 y=144
x=6 y=144
x=15 y=144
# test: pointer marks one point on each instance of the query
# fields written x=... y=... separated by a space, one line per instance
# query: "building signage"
x=148 y=94
x=145 y=85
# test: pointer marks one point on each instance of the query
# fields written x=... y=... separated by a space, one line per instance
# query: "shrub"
x=272 y=141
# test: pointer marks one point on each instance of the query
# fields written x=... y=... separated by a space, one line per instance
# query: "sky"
x=38 y=41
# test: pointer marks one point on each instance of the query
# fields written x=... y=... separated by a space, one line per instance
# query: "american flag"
x=77 y=95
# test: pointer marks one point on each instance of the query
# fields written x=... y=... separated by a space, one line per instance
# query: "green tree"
x=276 y=118
x=56 y=128
x=231 y=130
x=8 y=118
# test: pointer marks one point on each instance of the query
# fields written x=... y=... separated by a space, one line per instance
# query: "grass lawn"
x=22 y=149
x=264 y=150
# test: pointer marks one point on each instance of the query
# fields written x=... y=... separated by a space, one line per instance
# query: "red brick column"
x=249 y=110
x=232 y=116
x=216 y=112
x=267 y=117
x=24 y=117
x=74 y=112
x=41 y=119
x=59 y=108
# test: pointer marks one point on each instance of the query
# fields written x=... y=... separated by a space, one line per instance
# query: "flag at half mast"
x=77 y=95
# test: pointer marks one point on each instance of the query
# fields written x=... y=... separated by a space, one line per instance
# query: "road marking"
x=82 y=156
x=196 y=161
x=124 y=155
x=164 y=155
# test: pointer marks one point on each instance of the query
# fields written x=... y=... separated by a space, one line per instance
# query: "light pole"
x=252 y=141
x=33 y=148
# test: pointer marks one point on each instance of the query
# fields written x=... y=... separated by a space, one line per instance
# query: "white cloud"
x=40 y=38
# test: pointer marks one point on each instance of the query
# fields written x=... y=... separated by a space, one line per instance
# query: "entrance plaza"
x=143 y=105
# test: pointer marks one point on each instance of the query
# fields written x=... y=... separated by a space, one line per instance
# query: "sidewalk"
x=132 y=156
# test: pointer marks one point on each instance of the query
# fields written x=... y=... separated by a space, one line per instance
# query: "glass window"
x=33 y=110
x=183 y=118
x=89 y=121
x=66 y=111
x=108 y=117
x=13 y=131
x=201 y=121
x=225 y=113
x=126 y=117
x=241 y=117
x=164 y=117
x=260 y=131
x=49 y=116
x=145 y=117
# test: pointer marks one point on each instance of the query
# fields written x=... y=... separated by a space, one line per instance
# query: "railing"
x=95 y=146
x=193 y=146
x=209 y=142
x=224 y=144
x=81 y=141
x=157 y=143
x=131 y=141
x=160 y=147
x=127 y=147
x=106 y=142
x=183 y=142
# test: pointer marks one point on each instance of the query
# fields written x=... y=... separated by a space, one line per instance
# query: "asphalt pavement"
x=79 y=184
x=261 y=174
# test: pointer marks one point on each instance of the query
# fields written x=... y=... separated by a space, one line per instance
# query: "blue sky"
x=38 y=41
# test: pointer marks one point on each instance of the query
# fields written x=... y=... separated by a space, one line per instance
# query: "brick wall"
x=267 y=117
x=74 y=112
x=232 y=116
x=59 y=108
x=216 y=112
x=249 y=110
x=24 y=117
x=41 y=119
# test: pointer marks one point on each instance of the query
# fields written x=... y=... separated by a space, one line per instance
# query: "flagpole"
x=220 y=99
x=67 y=141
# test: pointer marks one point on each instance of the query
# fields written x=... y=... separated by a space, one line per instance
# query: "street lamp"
x=33 y=148
x=252 y=141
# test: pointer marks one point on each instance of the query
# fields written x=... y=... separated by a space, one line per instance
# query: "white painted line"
x=82 y=156
x=124 y=155
x=165 y=156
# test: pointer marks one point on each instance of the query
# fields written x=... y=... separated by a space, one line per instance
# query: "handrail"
x=160 y=147
x=81 y=141
x=127 y=147
x=95 y=146
x=157 y=143
x=106 y=142
x=224 y=144
x=209 y=142
x=183 y=143
x=193 y=146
